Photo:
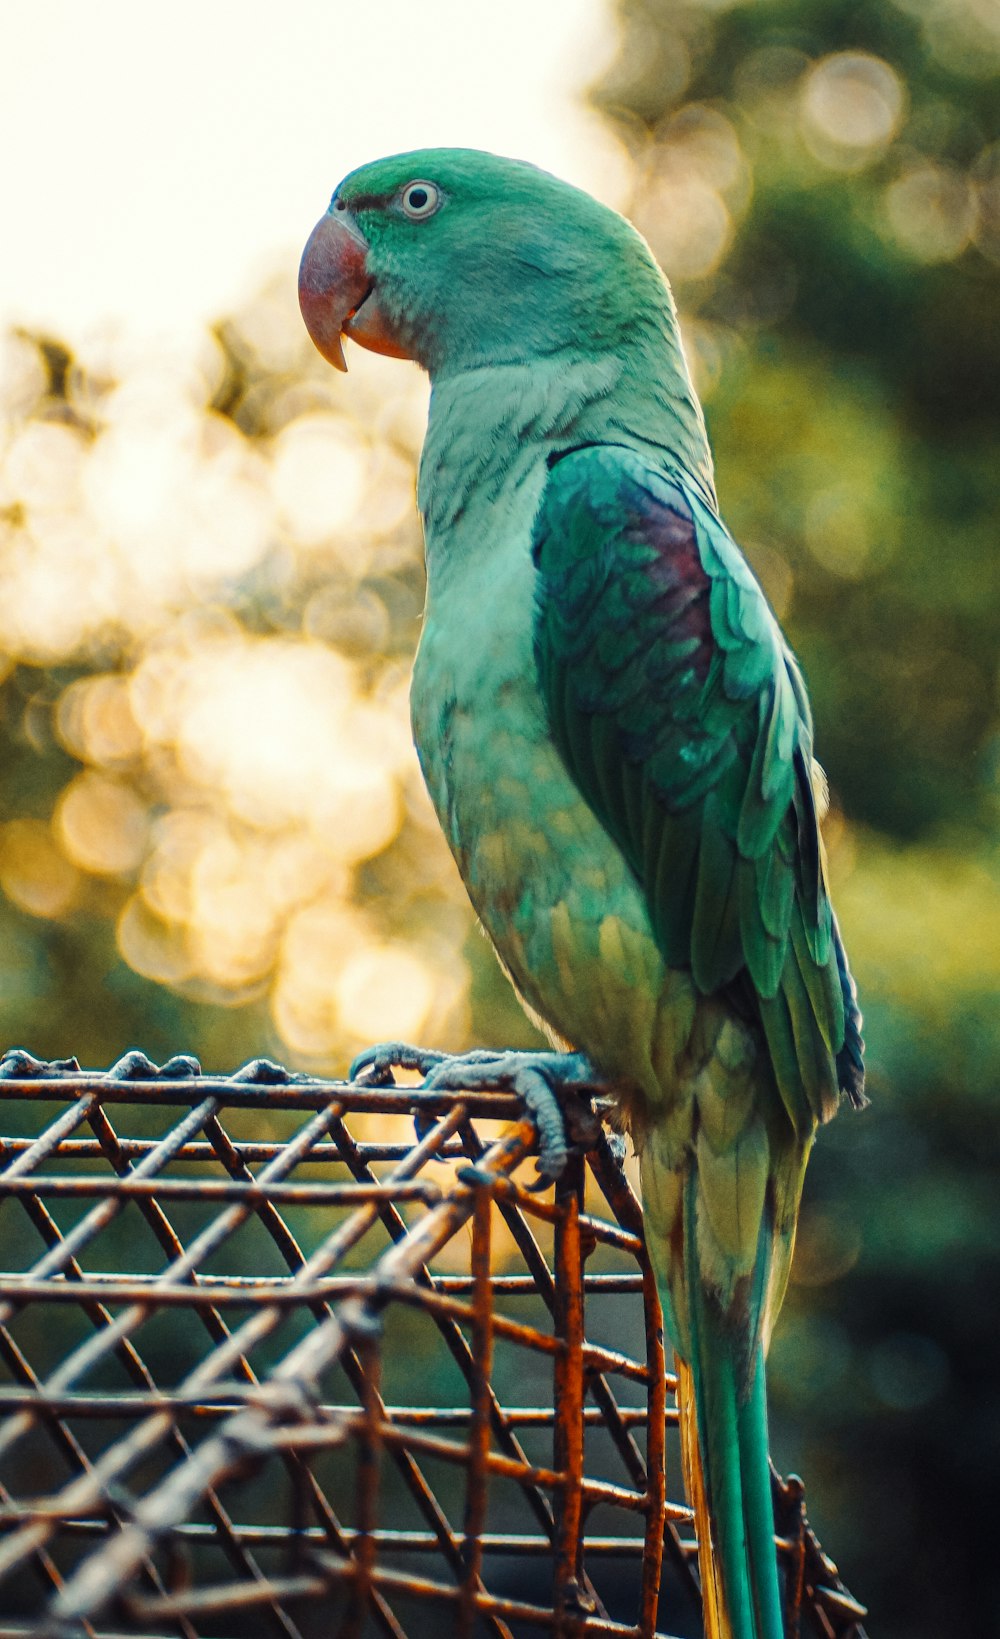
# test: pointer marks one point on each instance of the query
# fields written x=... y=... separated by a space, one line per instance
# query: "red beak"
x=333 y=282
x=337 y=293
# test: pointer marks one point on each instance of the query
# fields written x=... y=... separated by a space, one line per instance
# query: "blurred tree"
x=822 y=183
x=212 y=828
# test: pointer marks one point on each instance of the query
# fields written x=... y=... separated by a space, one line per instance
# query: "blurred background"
x=213 y=835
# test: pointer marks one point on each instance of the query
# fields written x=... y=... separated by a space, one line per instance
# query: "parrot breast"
x=557 y=898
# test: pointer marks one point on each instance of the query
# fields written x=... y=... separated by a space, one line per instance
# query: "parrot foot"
x=554 y=1088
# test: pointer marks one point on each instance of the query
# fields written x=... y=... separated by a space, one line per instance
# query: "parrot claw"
x=374 y=1067
x=553 y=1087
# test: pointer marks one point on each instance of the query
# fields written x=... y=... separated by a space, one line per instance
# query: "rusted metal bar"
x=374 y=1216
x=569 y=1599
x=127 y=1405
x=515 y=1610
x=247 y=1434
x=61 y=1254
x=366 y=1485
x=214 y=1189
x=508 y=1544
x=116 y=1462
x=476 y=1467
x=173 y=1248
x=618 y=1193
x=233 y=1094
x=608 y=1410
x=242 y=1293
x=656 y=1423
x=29 y=1153
x=451 y=1332
x=249 y=1152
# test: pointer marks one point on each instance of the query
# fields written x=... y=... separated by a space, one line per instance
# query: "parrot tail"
x=726 y=1456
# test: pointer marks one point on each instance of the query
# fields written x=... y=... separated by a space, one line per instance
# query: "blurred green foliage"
x=821 y=180
x=842 y=312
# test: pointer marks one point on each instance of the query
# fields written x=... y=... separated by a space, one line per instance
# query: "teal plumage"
x=619 y=746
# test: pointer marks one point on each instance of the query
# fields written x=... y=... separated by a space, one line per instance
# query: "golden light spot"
x=43 y=465
x=700 y=142
x=94 y=720
x=318 y=471
x=53 y=587
x=155 y=948
x=34 y=873
x=180 y=497
x=383 y=991
x=178 y=840
x=232 y=928
x=697 y=159
x=318 y=942
x=932 y=212
x=102 y=825
x=307 y=1017
x=852 y=105
x=389 y=498
x=266 y=330
x=687 y=224
x=23 y=377
x=278 y=728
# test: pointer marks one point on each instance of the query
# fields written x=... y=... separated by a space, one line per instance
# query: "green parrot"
x=619 y=746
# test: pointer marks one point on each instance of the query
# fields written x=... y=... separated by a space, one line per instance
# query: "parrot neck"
x=492 y=427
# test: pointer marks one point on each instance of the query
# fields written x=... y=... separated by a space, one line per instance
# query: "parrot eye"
x=420 y=199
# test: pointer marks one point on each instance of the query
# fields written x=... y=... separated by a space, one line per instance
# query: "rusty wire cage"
x=272 y=1365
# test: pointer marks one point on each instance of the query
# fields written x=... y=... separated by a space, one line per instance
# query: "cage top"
x=266 y=1355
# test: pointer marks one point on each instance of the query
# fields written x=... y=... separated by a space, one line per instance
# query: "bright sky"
x=160 y=158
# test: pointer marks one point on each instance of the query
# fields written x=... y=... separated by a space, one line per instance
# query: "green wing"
x=683 y=718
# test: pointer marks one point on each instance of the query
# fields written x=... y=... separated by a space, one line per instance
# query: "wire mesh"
x=271 y=1365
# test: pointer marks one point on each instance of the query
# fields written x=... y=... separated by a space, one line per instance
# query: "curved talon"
x=133 y=1066
x=264 y=1072
x=378 y=1063
x=17 y=1064
x=180 y=1067
x=541 y=1102
x=538 y=1079
x=541 y=1183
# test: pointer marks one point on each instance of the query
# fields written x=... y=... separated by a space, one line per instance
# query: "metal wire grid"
x=202 y=1449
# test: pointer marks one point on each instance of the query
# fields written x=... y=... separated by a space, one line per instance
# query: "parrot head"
x=456 y=258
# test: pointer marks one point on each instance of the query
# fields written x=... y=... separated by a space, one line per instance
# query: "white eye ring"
x=420 y=199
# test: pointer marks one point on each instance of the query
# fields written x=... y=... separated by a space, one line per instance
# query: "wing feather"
x=683 y=718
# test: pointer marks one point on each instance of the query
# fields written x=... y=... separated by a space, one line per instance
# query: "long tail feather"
x=740 y=1584
x=712 y=1600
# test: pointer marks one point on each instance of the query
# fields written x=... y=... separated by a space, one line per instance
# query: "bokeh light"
x=237 y=594
x=852 y=105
